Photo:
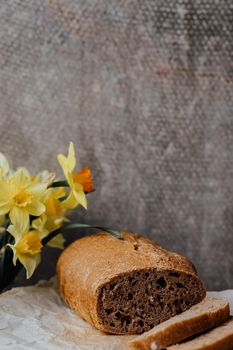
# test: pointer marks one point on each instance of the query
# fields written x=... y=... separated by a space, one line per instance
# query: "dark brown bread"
x=220 y=338
x=209 y=313
x=126 y=286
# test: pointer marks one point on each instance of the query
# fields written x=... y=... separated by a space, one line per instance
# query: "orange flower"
x=84 y=177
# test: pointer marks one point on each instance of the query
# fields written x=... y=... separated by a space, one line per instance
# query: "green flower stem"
x=63 y=183
x=115 y=233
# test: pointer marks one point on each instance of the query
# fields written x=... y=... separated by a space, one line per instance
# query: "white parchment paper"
x=35 y=317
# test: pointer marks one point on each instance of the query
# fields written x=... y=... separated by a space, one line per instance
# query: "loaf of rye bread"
x=126 y=286
x=209 y=313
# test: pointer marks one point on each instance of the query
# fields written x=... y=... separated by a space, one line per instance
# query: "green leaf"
x=115 y=233
x=63 y=183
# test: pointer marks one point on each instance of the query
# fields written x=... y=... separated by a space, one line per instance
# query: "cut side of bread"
x=207 y=314
x=126 y=286
x=137 y=300
x=220 y=338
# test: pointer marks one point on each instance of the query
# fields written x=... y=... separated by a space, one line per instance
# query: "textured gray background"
x=144 y=89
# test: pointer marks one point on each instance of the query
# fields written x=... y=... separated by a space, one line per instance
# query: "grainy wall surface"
x=144 y=89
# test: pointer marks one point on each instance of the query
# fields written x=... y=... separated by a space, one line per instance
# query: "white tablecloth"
x=36 y=318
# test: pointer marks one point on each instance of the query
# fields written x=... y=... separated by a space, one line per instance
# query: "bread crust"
x=92 y=261
x=220 y=338
x=179 y=328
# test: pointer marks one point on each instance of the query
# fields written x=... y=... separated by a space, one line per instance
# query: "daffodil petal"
x=21 y=177
x=70 y=180
x=57 y=242
x=80 y=195
x=37 y=188
x=5 y=208
x=42 y=176
x=14 y=253
x=20 y=218
x=38 y=224
x=4 y=190
x=71 y=158
x=10 y=229
x=4 y=165
x=16 y=231
x=67 y=163
x=70 y=202
x=63 y=162
x=36 y=208
x=58 y=192
x=29 y=262
x=24 y=171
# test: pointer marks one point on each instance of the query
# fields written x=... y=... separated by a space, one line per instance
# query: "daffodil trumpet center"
x=22 y=198
x=30 y=244
x=84 y=178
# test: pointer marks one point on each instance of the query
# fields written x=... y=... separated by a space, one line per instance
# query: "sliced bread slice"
x=207 y=314
x=220 y=338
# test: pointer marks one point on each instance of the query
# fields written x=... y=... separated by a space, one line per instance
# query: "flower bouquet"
x=34 y=210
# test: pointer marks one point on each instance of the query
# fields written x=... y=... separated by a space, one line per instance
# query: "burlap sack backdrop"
x=144 y=89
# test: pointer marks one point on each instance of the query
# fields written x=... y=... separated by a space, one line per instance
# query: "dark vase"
x=8 y=271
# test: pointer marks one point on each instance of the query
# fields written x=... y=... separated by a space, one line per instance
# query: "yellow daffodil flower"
x=77 y=181
x=55 y=211
x=27 y=246
x=20 y=197
x=53 y=218
x=52 y=204
x=4 y=166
